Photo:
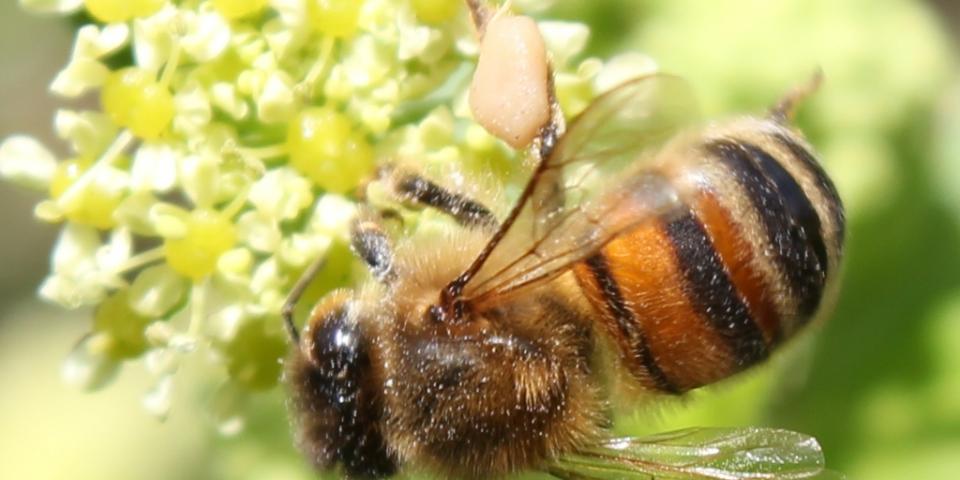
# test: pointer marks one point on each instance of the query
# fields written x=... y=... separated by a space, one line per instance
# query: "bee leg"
x=543 y=144
x=783 y=111
x=480 y=14
x=290 y=304
x=466 y=211
x=369 y=242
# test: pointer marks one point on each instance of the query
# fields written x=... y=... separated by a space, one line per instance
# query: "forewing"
x=596 y=184
x=701 y=453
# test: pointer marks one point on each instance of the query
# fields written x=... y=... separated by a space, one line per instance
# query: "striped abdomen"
x=699 y=293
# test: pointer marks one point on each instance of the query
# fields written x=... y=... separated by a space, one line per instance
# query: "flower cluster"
x=227 y=155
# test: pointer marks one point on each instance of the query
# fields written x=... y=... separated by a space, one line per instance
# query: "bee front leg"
x=418 y=190
x=371 y=244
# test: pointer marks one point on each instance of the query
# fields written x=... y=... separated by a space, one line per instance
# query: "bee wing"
x=700 y=453
x=595 y=184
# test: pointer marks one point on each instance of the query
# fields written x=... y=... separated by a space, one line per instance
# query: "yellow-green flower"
x=227 y=156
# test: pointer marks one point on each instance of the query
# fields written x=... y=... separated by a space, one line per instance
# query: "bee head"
x=335 y=400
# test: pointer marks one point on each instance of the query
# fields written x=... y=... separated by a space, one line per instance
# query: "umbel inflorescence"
x=229 y=154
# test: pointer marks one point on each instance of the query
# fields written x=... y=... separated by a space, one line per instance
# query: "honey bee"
x=644 y=256
x=690 y=255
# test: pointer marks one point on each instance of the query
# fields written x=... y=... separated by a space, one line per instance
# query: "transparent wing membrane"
x=597 y=183
x=700 y=453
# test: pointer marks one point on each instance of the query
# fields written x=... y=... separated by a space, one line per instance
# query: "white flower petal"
x=235 y=262
x=93 y=42
x=25 y=161
x=414 y=39
x=281 y=40
x=87 y=366
x=51 y=6
x=153 y=39
x=337 y=86
x=281 y=194
x=266 y=276
x=277 y=102
x=199 y=175
x=265 y=61
x=224 y=96
x=158 y=400
x=250 y=45
x=154 y=168
x=78 y=77
x=89 y=132
x=169 y=221
x=376 y=117
x=564 y=40
x=332 y=216
x=104 y=181
x=259 y=232
x=250 y=82
x=76 y=249
x=193 y=111
x=133 y=213
x=367 y=63
x=208 y=35
x=230 y=407
x=227 y=322
x=437 y=129
x=112 y=256
x=293 y=13
x=159 y=333
x=299 y=250
x=72 y=292
x=269 y=285
x=48 y=211
x=387 y=92
x=162 y=361
x=75 y=280
x=156 y=291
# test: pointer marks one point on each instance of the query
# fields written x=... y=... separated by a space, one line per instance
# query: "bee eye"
x=335 y=345
x=336 y=389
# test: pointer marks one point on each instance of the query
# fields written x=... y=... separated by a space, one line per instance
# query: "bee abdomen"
x=705 y=291
x=788 y=220
x=667 y=299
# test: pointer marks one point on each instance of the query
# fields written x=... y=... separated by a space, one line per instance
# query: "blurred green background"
x=879 y=384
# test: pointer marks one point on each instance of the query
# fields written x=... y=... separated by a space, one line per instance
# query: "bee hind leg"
x=784 y=110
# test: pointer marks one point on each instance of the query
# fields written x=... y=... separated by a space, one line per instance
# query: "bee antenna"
x=785 y=109
x=290 y=304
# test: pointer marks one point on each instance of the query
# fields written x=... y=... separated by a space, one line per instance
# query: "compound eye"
x=332 y=338
x=337 y=397
x=334 y=341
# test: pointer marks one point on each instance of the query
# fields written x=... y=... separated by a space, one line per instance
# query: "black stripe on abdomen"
x=789 y=219
x=711 y=291
x=627 y=323
x=823 y=182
